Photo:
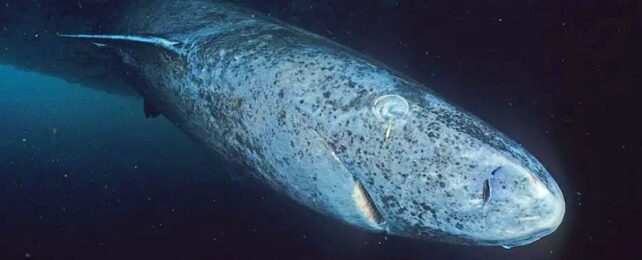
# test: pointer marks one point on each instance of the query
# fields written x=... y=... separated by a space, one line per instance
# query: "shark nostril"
x=486 y=186
x=486 y=191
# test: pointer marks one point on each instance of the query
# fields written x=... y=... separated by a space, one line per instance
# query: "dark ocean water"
x=84 y=175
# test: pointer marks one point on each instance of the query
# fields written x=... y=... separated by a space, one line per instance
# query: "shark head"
x=426 y=169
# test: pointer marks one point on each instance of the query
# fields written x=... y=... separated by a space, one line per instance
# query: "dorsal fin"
x=153 y=40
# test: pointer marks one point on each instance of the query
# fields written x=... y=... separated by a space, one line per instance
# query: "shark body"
x=332 y=129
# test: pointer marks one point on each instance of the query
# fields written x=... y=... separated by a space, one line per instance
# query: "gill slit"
x=371 y=208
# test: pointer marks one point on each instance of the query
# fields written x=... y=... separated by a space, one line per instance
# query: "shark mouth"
x=365 y=205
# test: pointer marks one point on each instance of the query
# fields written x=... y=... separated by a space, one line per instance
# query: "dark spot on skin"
x=326 y=94
x=442 y=184
x=281 y=93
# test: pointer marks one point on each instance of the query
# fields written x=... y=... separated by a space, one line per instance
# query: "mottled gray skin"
x=301 y=111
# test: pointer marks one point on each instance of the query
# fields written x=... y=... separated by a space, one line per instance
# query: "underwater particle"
x=54 y=131
x=27 y=255
x=24 y=140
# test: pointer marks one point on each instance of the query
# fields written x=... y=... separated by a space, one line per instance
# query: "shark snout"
x=527 y=206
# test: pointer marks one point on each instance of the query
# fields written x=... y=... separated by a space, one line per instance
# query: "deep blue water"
x=84 y=175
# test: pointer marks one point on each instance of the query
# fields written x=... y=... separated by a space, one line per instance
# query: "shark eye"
x=390 y=107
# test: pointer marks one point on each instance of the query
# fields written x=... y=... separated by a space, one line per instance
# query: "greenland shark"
x=333 y=129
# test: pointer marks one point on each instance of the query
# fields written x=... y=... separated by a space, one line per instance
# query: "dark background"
x=559 y=77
